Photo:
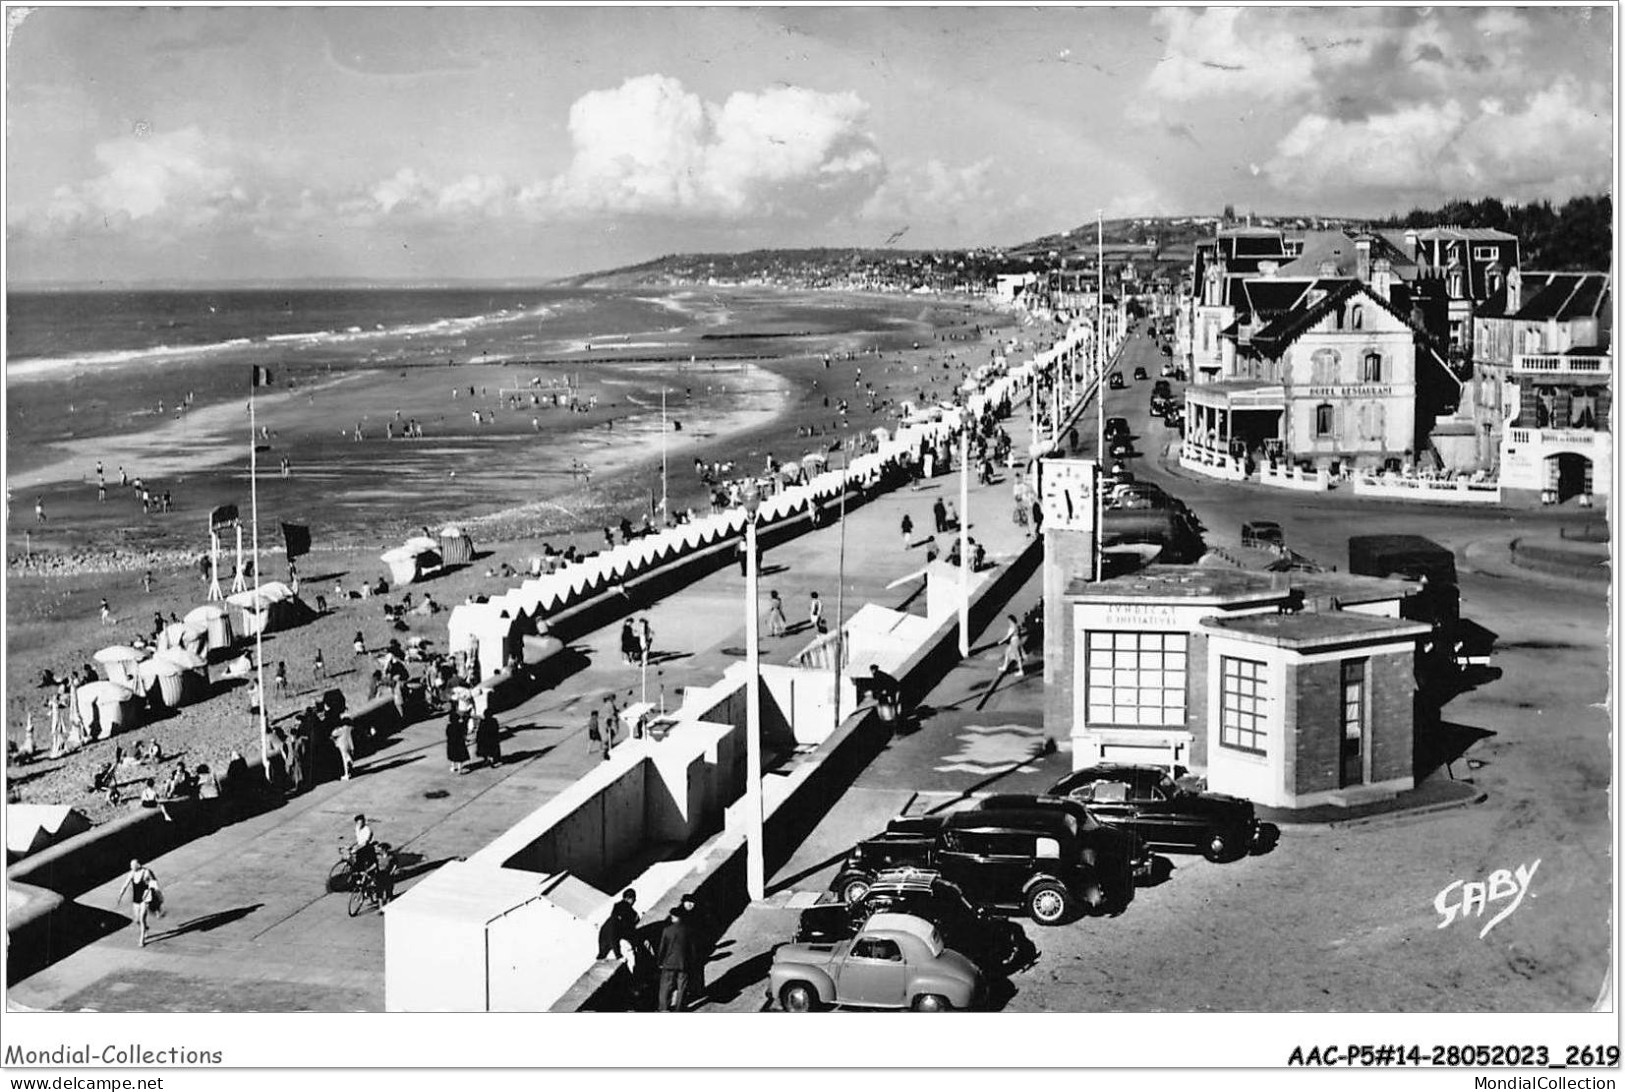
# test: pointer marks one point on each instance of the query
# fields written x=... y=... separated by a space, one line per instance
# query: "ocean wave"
x=43 y=368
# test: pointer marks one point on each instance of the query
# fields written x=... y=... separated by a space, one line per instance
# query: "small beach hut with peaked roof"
x=107 y=706
x=215 y=619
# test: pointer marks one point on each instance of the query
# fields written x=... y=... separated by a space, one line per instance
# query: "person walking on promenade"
x=618 y=935
x=344 y=740
x=298 y=755
x=908 y=531
x=456 y=744
x=699 y=946
x=939 y=514
x=646 y=639
x=629 y=643
x=815 y=612
x=1013 y=653
x=674 y=958
x=595 y=734
x=146 y=897
x=488 y=739
x=775 y=615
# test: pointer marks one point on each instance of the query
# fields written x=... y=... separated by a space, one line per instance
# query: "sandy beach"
x=510 y=483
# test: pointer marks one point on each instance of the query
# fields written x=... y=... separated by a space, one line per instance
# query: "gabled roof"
x=1561 y=297
x=1471 y=235
x=1341 y=249
x=1280 y=333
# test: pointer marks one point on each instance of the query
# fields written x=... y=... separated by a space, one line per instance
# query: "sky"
x=148 y=145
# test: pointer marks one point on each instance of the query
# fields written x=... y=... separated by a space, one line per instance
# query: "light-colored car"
x=896 y=961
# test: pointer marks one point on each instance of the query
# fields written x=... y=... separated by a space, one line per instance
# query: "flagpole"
x=1100 y=385
x=259 y=605
x=665 y=513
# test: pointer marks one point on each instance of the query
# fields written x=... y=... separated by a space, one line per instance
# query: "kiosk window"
x=1136 y=678
x=1241 y=707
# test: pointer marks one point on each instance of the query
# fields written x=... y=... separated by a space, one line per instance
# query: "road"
x=1335 y=918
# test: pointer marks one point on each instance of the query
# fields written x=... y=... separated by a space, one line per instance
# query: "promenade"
x=250 y=925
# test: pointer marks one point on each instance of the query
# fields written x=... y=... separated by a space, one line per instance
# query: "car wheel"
x=799 y=997
x=1048 y=903
x=1215 y=846
x=932 y=1002
x=854 y=889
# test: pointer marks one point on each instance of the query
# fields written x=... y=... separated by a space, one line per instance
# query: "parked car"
x=895 y=961
x=1116 y=381
x=1147 y=801
x=1120 y=447
x=990 y=941
x=1116 y=426
x=1263 y=533
x=1119 y=855
x=1172 y=417
x=1141 y=373
x=1030 y=861
x=1168 y=370
x=1161 y=387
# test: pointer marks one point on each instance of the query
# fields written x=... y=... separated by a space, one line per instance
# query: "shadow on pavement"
x=746 y=974
x=790 y=881
x=206 y=922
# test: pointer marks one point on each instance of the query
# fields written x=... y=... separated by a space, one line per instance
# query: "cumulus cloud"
x=1206 y=53
x=651 y=146
x=409 y=192
x=1554 y=144
x=173 y=177
x=931 y=190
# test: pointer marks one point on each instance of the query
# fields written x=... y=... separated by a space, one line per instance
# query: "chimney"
x=1382 y=278
x=1514 y=292
x=1362 y=260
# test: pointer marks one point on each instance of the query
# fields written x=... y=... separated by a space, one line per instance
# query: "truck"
x=1413 y=558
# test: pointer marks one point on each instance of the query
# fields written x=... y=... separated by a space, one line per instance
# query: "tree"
x=1229 y=214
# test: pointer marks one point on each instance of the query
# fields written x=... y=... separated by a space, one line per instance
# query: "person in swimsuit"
x=145 y=896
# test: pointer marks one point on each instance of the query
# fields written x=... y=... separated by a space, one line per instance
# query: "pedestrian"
x=145 y=895
x=699 y=946
x=629 y=643
x=775 y=614
x=815 y=613
x=619 y=933
x=488 y=739
x=107 y=612
x=101 y=492
x=298 y=756
x=646 y=639
x=1013 y=653
x=674 y=959
x=281 y=680
x=344 y=740
x=950 y=518
x=146 y=582
x=360 y=644
x=908 y=531
x=39 y=509
x=595 y=735
x=939 y=513
x=318 y=666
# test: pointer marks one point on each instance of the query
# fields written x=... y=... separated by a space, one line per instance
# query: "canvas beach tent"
x=107 y=706
x=456 y=548
x=272 y=606
x=215 y=619
x=194 y=639
x=182 y=677
x=413 y=560
x=118 y=663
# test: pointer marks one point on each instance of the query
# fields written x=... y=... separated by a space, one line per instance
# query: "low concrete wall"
x=806 y=794
x=1422 y=489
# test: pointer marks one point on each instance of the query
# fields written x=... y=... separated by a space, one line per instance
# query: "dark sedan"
x=1141 y=373
x=1145 y=800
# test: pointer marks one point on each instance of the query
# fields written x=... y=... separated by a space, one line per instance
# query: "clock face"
x=1067 y=493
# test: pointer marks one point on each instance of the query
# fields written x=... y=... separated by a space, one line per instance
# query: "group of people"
x=637 y=641
x=671 y=960
x=469 y=713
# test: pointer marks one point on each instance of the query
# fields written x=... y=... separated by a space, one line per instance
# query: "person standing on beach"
x=775 y=615
x=107 y=612
x=318 y=667
x=101 y=492
x=145 y=895
x=39 y=509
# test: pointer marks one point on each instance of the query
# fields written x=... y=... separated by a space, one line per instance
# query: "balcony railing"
x=1579 y=437
x=1547 y=363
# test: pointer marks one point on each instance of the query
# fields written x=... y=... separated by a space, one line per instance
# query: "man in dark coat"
x=618 y=935
x=674 y=959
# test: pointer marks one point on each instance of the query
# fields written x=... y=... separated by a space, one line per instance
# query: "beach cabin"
x=413 y=560
x=456 y=548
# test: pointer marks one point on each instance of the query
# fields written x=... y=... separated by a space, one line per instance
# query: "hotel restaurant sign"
x=1354 y=390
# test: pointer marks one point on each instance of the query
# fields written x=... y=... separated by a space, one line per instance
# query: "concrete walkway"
x=250 y=925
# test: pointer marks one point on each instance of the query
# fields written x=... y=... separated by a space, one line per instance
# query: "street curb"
x=1407 y=813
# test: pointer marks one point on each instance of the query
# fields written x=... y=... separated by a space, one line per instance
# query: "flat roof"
x=1183 y=584
x=1308 y=630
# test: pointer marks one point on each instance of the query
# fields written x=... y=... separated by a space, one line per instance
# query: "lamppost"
x=755 y=862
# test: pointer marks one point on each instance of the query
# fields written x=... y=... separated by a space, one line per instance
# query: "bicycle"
x=376 y=886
